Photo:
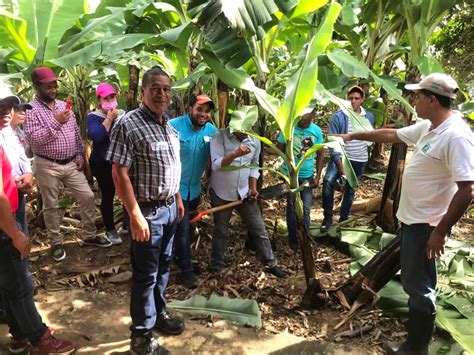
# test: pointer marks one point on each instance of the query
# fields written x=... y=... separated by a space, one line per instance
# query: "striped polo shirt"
x=150 y=150
x=356 y=150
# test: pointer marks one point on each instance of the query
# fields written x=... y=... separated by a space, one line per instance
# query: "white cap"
x=438 y=83
x=7 y=95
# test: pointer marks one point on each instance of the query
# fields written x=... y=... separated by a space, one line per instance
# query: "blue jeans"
x=329 y=184
x=151 y=267
x=252 y=217
x=418 y=272
x=20 y=214
x=16 y=287
x=307 y=197
x=182 y=239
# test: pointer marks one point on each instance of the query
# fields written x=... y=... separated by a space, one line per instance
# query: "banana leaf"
x=241 y=311
x=461 y=329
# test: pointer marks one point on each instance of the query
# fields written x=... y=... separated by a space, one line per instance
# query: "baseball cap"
x=43 y=75
x=204 y=99
x=104 y=90
x=6 y=95
x=356 y=88
x=439 y=83
x=24 y=106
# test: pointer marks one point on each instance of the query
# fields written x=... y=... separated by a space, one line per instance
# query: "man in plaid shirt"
x=144 y=150
x=54 y=136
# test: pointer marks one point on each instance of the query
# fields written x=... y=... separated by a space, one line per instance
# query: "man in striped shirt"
x=357 y=152
x=144 y=151
x=52 y=131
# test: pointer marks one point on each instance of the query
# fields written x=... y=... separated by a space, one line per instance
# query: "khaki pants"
x=50 y=177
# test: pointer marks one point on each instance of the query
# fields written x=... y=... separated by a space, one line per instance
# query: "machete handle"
x=214 y=209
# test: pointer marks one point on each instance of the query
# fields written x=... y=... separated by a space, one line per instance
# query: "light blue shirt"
x=194 y=153
x=304 y=139
x=233 y=185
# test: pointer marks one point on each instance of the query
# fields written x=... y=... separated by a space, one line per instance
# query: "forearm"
x=339 y=166
x=383 y=135
x=252 y=183
x=459 y=204
x=229 y=158
x=124 y=189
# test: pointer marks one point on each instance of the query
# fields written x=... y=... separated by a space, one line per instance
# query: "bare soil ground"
x=86 y=296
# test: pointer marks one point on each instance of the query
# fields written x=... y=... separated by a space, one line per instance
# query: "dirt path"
x=98 y=323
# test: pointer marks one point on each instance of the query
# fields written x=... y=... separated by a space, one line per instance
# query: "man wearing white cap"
x=437 y=189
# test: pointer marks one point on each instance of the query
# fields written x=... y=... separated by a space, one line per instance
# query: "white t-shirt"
x=442 y=157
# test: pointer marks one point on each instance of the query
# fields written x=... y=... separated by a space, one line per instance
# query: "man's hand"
x=62 y=116
x=140 y=228
x=22 y=244
x=242 y=150
x=435 y=246
x=253 y=193
x=79 y=164
x=24 y=182
x=179 y=203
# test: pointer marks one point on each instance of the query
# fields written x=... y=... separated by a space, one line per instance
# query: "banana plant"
x=285 y=112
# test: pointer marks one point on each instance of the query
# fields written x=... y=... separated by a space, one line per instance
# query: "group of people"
x=155 y=164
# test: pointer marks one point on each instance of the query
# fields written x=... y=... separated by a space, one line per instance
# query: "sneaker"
x=113 y=237
x=98 y=242
x=327 y=222
x=18 y=346
x=50 y=345
x=188 y=279
x=168 y=324
x=146 y=344
x=123 y=231
x=58 y=253
x=275 y=270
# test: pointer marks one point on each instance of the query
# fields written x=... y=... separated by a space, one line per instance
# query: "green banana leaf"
x=461 y=329
x=301 y=85
x=349 y=65
x=241 y=311
x=243 y=118
x=307 y=6
x=428 y=65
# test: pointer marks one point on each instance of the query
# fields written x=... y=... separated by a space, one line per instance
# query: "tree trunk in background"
x=223 y=97
x=132 y=93
x=396 y=166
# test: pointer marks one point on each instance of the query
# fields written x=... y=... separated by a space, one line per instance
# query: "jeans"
x=329 y=184
x=252 y=217
x=307 y=197
x=151 y=267
x=418 y=273
x=102 y=171
x=182 y=239
x=16 y=287
x=20 y=214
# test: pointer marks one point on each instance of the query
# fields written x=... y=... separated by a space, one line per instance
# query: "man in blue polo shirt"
x=306 y=135
x=195 y=133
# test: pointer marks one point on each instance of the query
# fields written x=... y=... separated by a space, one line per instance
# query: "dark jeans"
x=252 y=217
x=102 y=171
x=151 y=267
x=418 y=273
x=16 y=286
x=329 y=184
x=307 y=197
x=182 y=239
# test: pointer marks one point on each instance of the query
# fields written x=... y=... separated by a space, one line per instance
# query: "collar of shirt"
x=152 y=115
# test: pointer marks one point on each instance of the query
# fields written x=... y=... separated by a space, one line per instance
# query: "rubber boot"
x=420 y=329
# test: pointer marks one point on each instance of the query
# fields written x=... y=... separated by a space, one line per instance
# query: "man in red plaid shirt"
x=55 y=139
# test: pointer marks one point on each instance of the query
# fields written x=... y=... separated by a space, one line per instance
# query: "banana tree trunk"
x=132 y=93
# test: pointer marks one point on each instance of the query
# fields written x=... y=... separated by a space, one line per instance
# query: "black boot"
x=420 y=329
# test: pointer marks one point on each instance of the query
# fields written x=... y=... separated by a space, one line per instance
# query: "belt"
x=158 y=203
x=58 y=161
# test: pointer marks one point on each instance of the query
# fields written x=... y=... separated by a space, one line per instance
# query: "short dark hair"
x=156 y=70
x=356 y=89
x=444 y=101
